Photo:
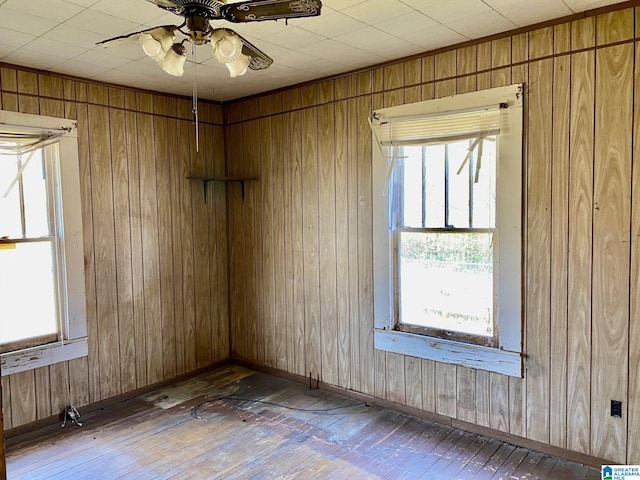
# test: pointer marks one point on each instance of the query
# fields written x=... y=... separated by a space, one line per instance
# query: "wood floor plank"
x=266 y=427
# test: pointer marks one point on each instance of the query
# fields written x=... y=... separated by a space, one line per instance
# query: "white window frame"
x=506 y=356
x=71 y=251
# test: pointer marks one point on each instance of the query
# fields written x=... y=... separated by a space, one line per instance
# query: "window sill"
x=449 y=351
x=43 y=355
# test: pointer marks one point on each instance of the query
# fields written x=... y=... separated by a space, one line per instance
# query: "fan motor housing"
x=204 y=8
x=199 y=29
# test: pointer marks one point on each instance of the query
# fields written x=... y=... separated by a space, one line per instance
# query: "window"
x=447 y=229
x=42 y=304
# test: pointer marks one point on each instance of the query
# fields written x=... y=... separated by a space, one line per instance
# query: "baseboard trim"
x=107 y=402
x=434 y=417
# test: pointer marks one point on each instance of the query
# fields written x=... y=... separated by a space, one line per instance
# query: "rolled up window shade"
x=19 y=139
x=437 y=127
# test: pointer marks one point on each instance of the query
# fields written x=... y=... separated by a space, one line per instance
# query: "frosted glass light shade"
x=150 y=45
x=157 y=42
x=239 y=65
x=226 y=46
x=173 y=61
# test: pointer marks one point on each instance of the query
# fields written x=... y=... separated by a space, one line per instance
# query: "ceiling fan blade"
x=132 y=37
x=259 y=59
x=169 y=5
x=260 y=10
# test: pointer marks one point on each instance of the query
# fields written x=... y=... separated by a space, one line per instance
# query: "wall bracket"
x=205 y=181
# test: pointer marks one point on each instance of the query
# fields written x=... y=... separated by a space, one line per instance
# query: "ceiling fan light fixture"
x=226 y=46
x=173 y=61
x=157 y=42
x=239 y=66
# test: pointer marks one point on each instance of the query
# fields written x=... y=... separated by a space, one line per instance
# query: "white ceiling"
x=60 y=36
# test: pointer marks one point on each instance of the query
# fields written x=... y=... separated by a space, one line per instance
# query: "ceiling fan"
x=229 y=48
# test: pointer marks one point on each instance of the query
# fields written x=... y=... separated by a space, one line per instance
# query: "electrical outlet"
x=616 y=408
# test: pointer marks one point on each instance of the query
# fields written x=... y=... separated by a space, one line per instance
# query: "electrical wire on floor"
x=329 y=410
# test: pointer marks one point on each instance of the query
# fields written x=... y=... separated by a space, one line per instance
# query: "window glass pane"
x=484 y=190
x=412 y=186
x=434 y=186
x=458 y=185
x=10 y=223
x=35 y=195
x=446 y=281
x=27 y=291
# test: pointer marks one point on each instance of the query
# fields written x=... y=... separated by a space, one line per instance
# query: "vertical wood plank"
x=313 y=362
x=517 y=386
x=412 y=72
x=538 y=245
x=163 y=202
x=413 y=381
x=541 y=43
x=394 y=373
x=255 y=325
x=561 y=38
x=466 y=68
x=365 y=247
x=213 y=196
x=266 y=335
x=43 y=392
x=287 y=179
x=583 y=33
x=428 y=385
x=580 y=245
x=616 y=26
x=355 y=381
x=499 y=413
x=280 y=319
x=122 y=234
x=79 y=381
x=6 y=402
x=188 y=306
x=559 y=250
x=23 y=398
x=297 y=234
x=237 y=306
x=342 y=241
x=201 y=256
x=222 y=238
x=150 y=250
x=633 y=441
x=89 y=253
x=60 y=395
x=446 y=387
x=135 y=230
x=466 y=394
x=327 y=239
x=611 y=229
x=104 y=238
x=483 y=398
x=177 y=183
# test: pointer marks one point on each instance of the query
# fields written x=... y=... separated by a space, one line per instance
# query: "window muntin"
x=444 y=219
x=29 y=246
x=24 y=133
x=493 y=112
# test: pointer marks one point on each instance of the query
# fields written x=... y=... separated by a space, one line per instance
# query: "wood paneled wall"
x=301 y=240
x=155 y=252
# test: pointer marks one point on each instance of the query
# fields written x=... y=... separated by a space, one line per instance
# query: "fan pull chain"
x=195 y=96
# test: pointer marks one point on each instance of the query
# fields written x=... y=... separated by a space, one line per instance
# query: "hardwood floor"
x=237 y=423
